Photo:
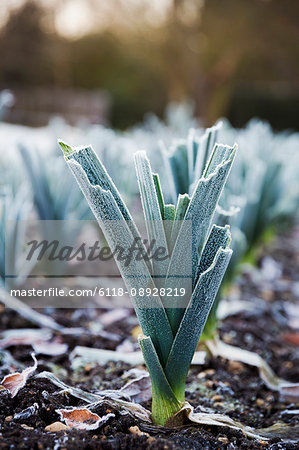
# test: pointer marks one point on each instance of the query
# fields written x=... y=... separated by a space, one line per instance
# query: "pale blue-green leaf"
x=193 y=322
x=181 y=208
x=200 y=212
x=219 y=154
x=167 y=171
x=206 y=144
x=152 y=213
x=192 y=149
x=95 y=171
x=178 y=161
x=225 y=216
x=149 y=310
x=98 y=176
x=169 y=216
x=203 y=204
x=218 y=237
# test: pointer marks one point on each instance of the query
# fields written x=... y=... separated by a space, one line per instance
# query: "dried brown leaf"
x=16 y=381
x=82 y=418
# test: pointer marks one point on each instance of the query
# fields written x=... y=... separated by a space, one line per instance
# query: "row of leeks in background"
x=261 y=194
x=35 y=187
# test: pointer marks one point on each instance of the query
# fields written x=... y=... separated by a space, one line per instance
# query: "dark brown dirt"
x=219 y=386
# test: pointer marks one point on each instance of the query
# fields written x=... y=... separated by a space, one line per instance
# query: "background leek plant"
x=6 y=101
x=256 y=199
x=53 y=199
x=262 y=175
x=170 y=331
x=14 y=207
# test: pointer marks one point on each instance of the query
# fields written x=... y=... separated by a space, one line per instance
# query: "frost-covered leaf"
x=218 y=237
x=16 y=381
x=149 y=310
x=24 y=336
x=200 y=213
x=152 y=211
x=81 y=356
x=82 y=418
x=288 y=433
x=53 y=348
x=123 y=406
x=206 y=144
x=137 y=390
x=170 y=329
x=287 y=389
x=192 y=323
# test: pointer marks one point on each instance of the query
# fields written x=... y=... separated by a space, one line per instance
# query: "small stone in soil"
x=209 y=384
x=235 y=366
x=216 y=398
x=137 y=431
x=26 y=427
x=55 y=427
x=223 y=439
x=260 y=402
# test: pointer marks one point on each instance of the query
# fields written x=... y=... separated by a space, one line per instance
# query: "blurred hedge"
x=221 y=55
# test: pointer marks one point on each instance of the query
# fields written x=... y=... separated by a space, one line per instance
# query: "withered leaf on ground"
x=53 y=348
x=15 y=381
x=82 y=418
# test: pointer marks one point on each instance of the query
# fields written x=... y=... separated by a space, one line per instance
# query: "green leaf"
x=152 y=213
x=219 y=154
x=159 y=193
x=169 y=212
x=181 y=208
x=206 y=144
x=193 y=322
x=200 y=212
x=204 y=201
x=219 y=237
x=192 y=150
x=178 y=161
x=118 y=232
x=164 y=403
x=169 y=215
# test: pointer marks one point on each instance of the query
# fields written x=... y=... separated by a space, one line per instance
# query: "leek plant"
x=15 y=208
x=6 y=101
x=265 y=170
x=53 y=200
x=170 y=330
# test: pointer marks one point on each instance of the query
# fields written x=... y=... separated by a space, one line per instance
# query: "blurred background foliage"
x=236 y=59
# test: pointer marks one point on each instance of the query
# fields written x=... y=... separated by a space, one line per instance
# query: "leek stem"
x=164 y=402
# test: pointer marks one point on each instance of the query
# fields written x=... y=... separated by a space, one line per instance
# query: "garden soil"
x=220 y=386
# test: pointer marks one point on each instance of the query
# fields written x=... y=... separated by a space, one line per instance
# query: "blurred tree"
x=120 y=66
x=180 y=52
x=26 y=53
x=236 y=58
x=251 y=52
